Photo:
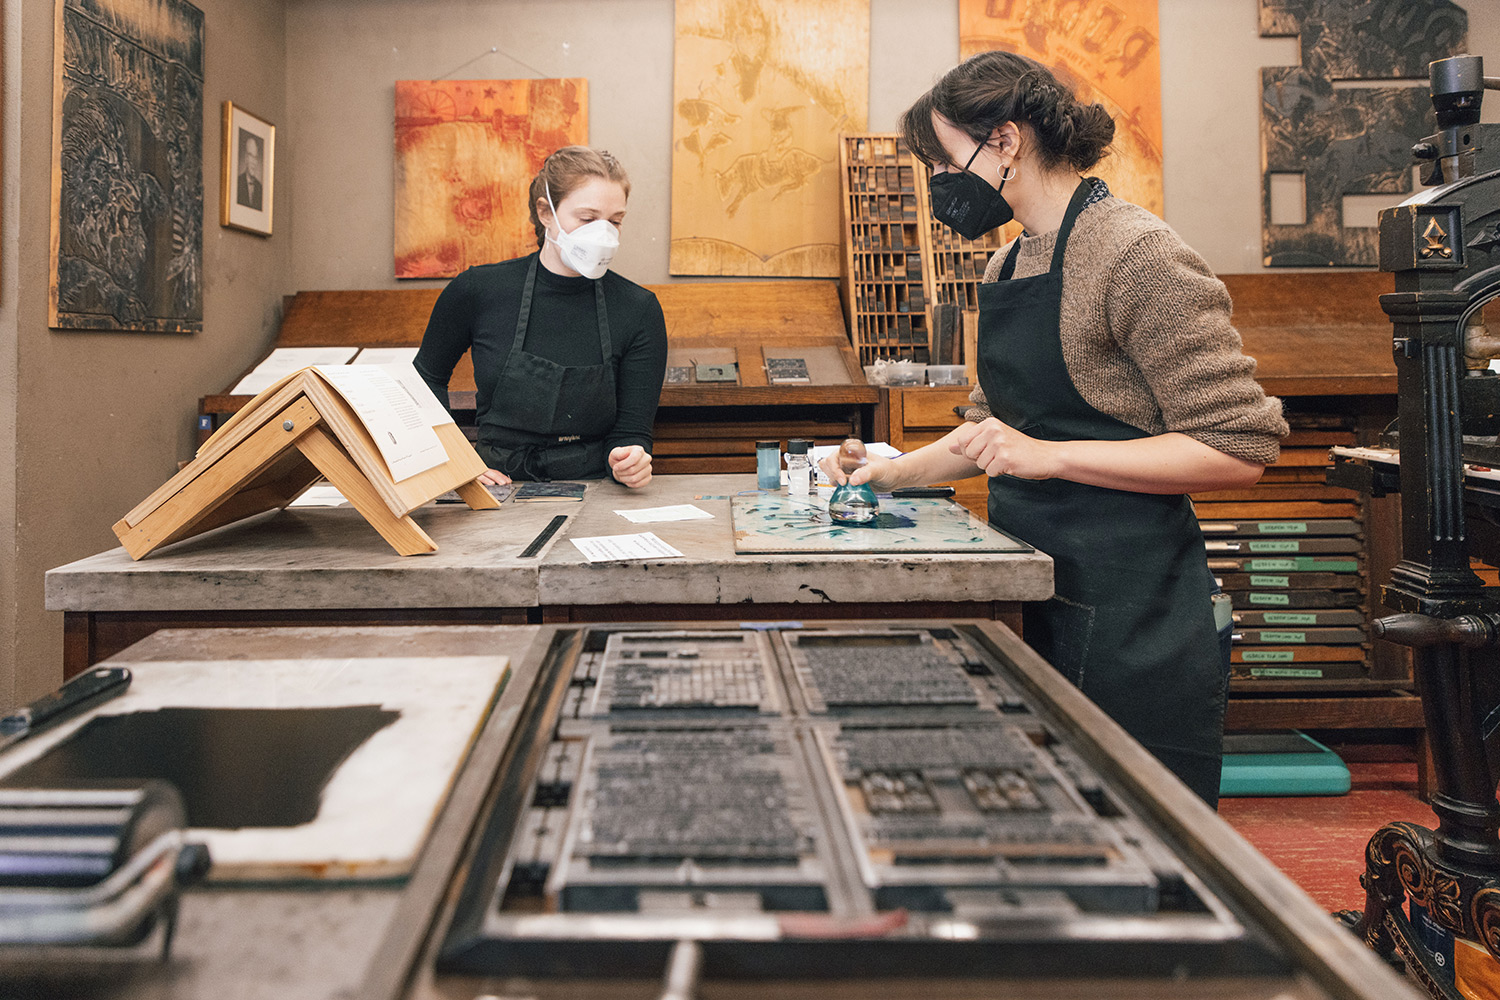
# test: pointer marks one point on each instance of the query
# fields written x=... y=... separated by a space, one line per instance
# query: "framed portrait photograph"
x=245 y=190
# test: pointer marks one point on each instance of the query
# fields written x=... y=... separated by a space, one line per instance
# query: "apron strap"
x=1009 y=267
x=523 y=318
x=1075 y=208
x=606 y=347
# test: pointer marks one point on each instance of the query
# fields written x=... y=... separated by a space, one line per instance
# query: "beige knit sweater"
x=1146 y=335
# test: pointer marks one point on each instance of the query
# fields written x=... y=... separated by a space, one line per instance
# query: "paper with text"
x=397 y=418
x=609 y=548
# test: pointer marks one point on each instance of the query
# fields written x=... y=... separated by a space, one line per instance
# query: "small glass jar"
x=768 y=465
x=798 y=468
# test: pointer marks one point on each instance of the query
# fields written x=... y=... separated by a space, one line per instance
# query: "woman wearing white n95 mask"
x=568 y=356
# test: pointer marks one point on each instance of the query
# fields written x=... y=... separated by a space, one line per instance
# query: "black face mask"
x=966 y=203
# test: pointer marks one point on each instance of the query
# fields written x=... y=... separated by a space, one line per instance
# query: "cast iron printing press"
x=1443 y=246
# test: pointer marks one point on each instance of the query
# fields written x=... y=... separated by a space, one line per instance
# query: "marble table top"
x=319 y=558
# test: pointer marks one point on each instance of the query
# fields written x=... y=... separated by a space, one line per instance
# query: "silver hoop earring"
x=1008 y=173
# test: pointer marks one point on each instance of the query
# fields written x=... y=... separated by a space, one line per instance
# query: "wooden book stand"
x=283 y=441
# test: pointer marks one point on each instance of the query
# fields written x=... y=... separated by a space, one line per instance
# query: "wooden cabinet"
x=921 y=415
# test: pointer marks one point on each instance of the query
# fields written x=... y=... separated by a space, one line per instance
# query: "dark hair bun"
x=1086 y=130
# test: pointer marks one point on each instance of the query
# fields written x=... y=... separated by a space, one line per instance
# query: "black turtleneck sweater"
x=478 y=312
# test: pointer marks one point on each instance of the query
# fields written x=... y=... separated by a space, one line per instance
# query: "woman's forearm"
x=1165 y=463
x=932 y=463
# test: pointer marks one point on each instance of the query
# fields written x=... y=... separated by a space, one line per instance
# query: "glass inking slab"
x=776 y=523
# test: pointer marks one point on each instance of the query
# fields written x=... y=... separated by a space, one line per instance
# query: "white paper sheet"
x=400 y=423
x=386 y=356
x=676 y=512
x=320 y=496
x=608 y=548
x=285 y=360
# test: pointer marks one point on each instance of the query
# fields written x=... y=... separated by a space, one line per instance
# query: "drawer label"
x=1282 y=599
x=1268 y=656
x=1300 y=672
x=1270 y=581
x=1283 y=636
x=1275 y=545
x=1290 y=618
x=1283 y=527
x=1267 y=565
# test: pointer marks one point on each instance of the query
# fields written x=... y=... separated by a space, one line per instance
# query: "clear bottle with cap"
x=798 y=468
x=768 y=465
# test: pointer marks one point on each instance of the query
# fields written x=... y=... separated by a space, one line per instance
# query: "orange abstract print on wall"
x=466 y=151
x=1106 y=52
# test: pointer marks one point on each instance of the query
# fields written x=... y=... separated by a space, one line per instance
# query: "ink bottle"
x=768 y=465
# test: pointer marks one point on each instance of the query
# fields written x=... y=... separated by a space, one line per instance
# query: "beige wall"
x=350 y=52
x=103 y=418
x=10 y=50
x=92 y=422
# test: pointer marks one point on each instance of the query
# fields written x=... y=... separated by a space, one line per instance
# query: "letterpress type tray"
x=774 y=522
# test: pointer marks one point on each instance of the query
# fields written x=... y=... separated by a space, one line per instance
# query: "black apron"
x=575 y=406
x=1132 y=622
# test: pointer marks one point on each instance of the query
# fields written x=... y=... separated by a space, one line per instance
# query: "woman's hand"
x=1001 y=450
x=876 y=471
x=489 y=477
x=630 y=465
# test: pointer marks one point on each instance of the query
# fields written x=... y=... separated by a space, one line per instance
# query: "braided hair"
x=986 y=91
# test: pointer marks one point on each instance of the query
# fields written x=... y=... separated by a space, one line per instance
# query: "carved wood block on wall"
x=760 y=93
x=1328 y=138
x=1104 y=52
x=127 y=167
x=466 y=151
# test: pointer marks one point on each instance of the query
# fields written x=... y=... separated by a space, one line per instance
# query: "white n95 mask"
x=587 y=249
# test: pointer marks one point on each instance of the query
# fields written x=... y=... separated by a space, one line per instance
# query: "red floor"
x=1320 y=841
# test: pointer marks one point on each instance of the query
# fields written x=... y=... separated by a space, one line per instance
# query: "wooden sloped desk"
x=321 y=566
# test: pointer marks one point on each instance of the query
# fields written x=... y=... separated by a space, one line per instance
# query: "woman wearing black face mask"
x=1111 y=384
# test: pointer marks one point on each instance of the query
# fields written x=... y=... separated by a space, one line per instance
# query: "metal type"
x=879 y=789
x=1441 y=246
